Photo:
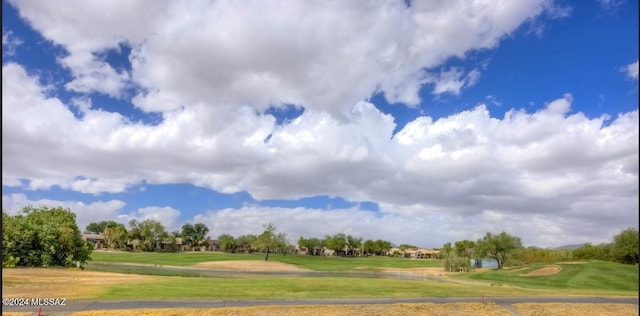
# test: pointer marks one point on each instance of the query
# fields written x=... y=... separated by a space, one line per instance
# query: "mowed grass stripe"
x=600 y=276
x=302 y=288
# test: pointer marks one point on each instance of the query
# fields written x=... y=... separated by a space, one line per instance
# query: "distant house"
x=328 y=252
x=171 y=244
x=417 y=253
x=97 y=240
x=212 y=244
x=203 y=245
x=134 y=244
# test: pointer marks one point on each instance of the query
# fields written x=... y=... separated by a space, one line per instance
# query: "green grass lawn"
x=599 y=276
x=299 y=288
x=593 y=278
x=315 y=263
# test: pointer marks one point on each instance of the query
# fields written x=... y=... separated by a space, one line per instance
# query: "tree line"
x=623 y=248
x=150 y=234
x=340 y=244
x=50 y=237
x=508 y=249
x=343 y=245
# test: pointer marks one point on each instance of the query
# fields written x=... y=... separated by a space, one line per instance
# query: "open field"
x=314 y=263
x=568 y=279
x=78 y=284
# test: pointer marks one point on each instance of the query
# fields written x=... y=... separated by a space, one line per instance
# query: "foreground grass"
x=308 y=262
x=592 y=277
x=474 y=309
x=576 y=309
x=82 y=284
x=446 y=309
x=302 y=288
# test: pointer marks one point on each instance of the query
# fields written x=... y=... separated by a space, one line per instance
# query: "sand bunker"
x=548 y=270
x=250 y=265
x=419 y=271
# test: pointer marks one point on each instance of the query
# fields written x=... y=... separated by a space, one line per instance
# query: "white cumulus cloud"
x=631 y=70
x=211 y=69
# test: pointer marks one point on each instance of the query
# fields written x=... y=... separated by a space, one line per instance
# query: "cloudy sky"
x=418 y=122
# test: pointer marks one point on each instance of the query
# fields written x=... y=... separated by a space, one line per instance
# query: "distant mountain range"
x=565 y=247
x=569 y=247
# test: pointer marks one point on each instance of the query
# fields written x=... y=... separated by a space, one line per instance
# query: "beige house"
x=99 y=242
x=417 y=253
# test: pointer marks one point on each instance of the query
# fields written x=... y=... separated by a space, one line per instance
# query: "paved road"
x=84 y=305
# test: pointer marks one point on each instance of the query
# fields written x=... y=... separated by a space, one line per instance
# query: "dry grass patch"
x=67 y=283
x=531 y=309
x=251 y=265
x=321 y=310
x=546 y=270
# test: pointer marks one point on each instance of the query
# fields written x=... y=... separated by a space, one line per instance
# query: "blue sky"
x=422 y=123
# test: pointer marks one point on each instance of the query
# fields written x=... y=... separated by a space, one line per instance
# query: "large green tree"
x=354 y=245
x=377 y=247
x=382 y=247
x=150 y=233
x=465 y=248
x=115 y=235
x=226 y=242
x=96 y=227
x=625 y=246
x=453 y=261
x=337 y=243
x=368 y=247
x=313 y=246
x=246 y=242
x=193 y=235
x=270 y=239
x=42 y=237
x=497 y=246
